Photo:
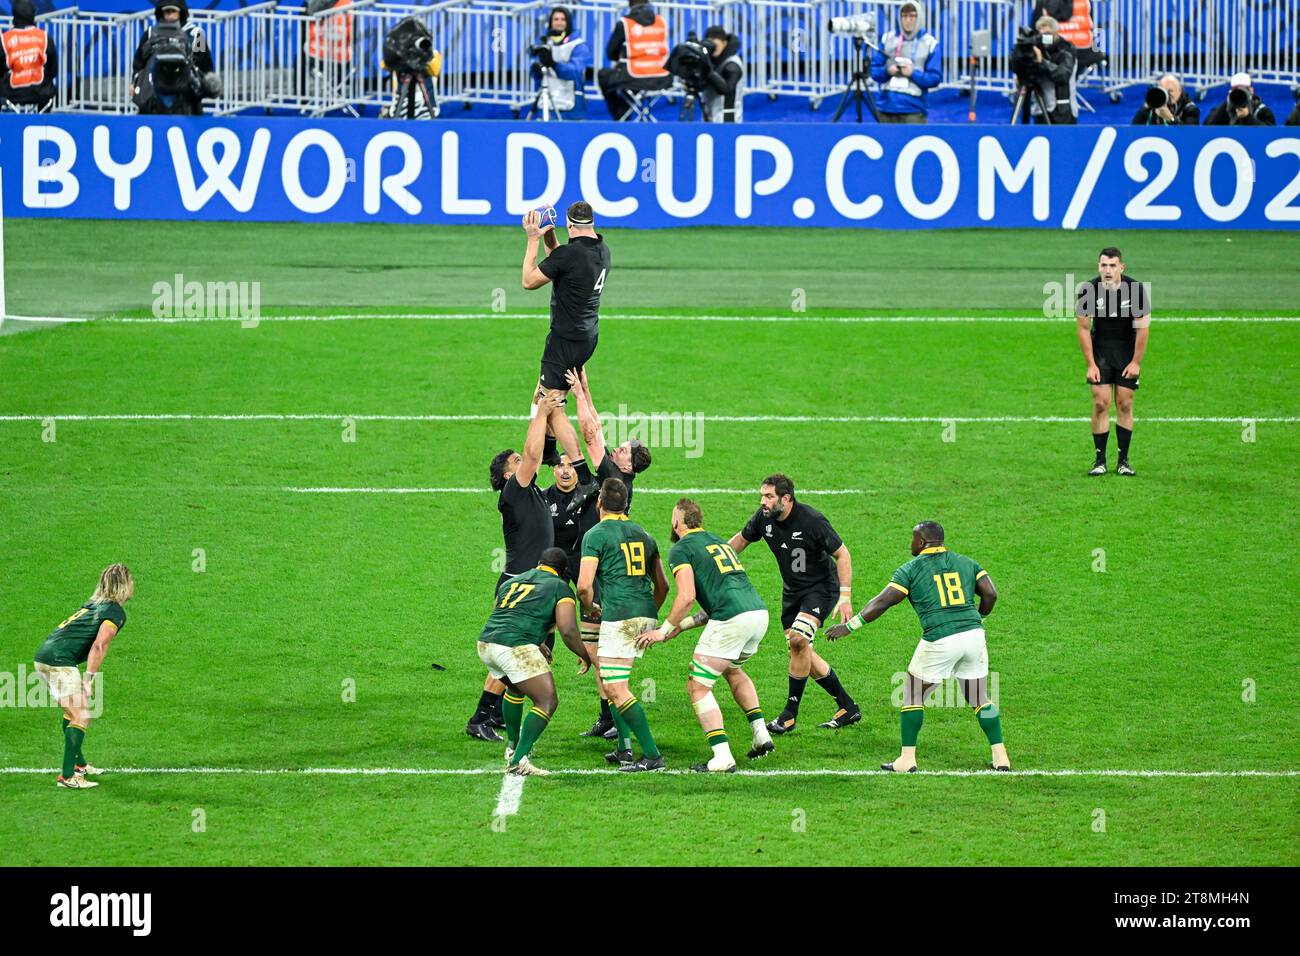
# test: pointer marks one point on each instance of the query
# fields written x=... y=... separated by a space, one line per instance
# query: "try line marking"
x=505 y=797
x=635 y=317
x=741 y=419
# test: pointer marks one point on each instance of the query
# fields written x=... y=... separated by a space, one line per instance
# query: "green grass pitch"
x=1180 y=656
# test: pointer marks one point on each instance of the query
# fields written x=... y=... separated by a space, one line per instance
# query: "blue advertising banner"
x=650 y=175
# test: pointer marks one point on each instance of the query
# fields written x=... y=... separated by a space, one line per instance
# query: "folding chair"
x=640 y=102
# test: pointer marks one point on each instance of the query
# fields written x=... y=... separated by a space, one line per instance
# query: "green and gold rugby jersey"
x=626 y=553
x=524 y=612
x=941 y=586
x=721 y=585
x=69 y=644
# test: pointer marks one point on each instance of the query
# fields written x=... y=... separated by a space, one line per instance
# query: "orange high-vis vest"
x=25 y=54
x=1078 y=29
x=330 y=38
x=647 y=47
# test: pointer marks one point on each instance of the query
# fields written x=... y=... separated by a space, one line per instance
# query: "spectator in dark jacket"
x=638 y=63
x=1251 y=111
x=1179 y=109
x=1054 y=72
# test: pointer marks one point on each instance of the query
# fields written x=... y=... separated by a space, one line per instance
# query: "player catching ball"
x=513 y=646
x=577 y=273
x=942 y=586
x=83 y=638
x=707 y=570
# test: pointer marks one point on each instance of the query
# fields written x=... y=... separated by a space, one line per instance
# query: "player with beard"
x=527 y=532
x=817 y=579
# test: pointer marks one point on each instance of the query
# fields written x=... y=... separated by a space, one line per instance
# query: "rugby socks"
x=488 y=703
x=831 y=684
x=604 y=709
x=797 y=684
x=534 y=723
x=81 y=758
x=757 y=726
x=633 y=715
x=1122 y=437
x=72 y=738
x=909 y=723
x=1099 y=442
x=623 y=730
x=721 y=749
x=512 y=712
x=990 y=721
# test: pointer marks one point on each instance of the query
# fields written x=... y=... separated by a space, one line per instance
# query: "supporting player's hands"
x=1093 y=374
x=650 y=637
x=1131 y=370
x=584 y=663
x=546 y=652
x=836 y=631
x=533 y=227
x=844 y=609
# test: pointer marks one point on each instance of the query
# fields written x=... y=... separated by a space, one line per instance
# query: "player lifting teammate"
x=513 y=647
x=706 y=569
x=942 y=586
x=577 y=272
x=84 y=637
x=625 y=560
x=816 y=578
x=1114 y=322
x=527 y=531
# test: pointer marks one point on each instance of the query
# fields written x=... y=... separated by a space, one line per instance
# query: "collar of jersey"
x=614 y=518
x=935 y=550
x=689 y=531
x=548 y=569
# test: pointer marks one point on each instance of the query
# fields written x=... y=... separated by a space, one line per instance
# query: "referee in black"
x=527 y=530
x=1114 y=315
x=577 y=273
x=816 y=582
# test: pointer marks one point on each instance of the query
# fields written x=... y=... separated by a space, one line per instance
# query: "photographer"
x=638 y=46
x=29 y=67
x=1242 y=107
x=412 y=61
x=722 y=99
x=1051 y=74
x=1167 y=104
x=172 y=68
x=906 y=65
x=562 y=61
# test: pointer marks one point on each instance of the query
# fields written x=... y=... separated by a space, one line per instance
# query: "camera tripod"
x=405 y=100
x=859 y=89
x=1023 y=92
x=690 y=103
x=545 y=103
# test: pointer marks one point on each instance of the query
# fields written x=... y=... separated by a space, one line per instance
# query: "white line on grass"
x=508 y=800
x=589 y=772
x=488 y=491
x=671 y=317
x=739 y=419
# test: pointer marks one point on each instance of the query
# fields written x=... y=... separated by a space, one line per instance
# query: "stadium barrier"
x=261 y=51
x=335 y=170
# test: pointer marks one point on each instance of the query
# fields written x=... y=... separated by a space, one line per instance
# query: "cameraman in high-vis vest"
x=638 y=46
x=27 y=73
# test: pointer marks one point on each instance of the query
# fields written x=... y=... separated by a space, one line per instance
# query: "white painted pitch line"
x=670 y=317
x=488 y=491
x=636 y=416
x=511 y=795
x=589 y=772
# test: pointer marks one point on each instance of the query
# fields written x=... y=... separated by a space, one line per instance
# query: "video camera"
x=408 y=47
x=1023 y=62
x=170 y=81
x=690 y=61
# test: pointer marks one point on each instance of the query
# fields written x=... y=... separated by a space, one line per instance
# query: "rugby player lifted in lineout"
x=577 y=272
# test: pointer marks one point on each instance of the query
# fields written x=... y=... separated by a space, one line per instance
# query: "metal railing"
x=261 y=51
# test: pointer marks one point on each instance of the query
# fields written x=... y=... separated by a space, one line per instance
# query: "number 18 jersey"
x=941 y=586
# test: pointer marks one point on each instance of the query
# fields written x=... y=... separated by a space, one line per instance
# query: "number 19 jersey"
x=625 y=552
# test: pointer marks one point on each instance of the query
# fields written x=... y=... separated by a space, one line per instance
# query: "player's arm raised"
x=566 y=622
x=672 y=625
x=98 y=651
x=534 y=442
x=588 y=419
x=878 y=605
x=987 y=592
x=534 y=278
